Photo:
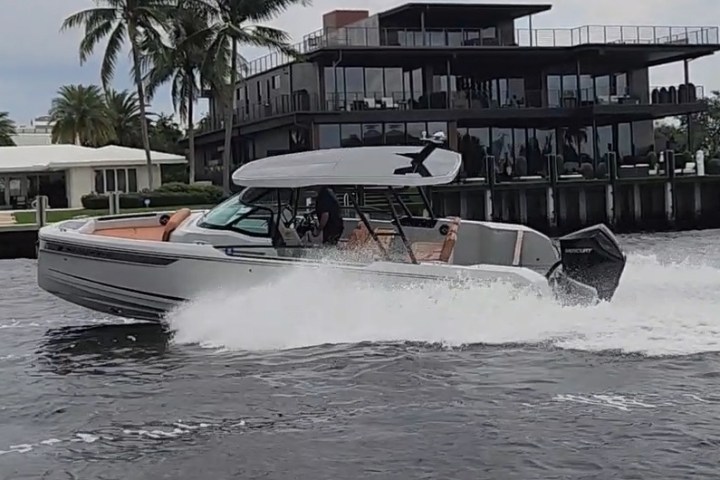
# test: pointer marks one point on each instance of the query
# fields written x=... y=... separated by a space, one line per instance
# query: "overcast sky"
x=35 y=58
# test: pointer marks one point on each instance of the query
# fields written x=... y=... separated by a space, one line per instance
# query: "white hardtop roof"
x=40 y=158
x=370 y=166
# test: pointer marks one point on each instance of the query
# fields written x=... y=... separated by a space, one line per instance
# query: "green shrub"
x=170 y=195
x=212 y=191
x=683 y=158
x=652 y=159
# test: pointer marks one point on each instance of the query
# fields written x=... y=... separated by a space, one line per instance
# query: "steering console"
x=307 y=223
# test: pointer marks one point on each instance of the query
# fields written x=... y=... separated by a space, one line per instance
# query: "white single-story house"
x=65 y=173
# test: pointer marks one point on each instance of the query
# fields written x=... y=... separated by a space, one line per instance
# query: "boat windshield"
x=234 y=214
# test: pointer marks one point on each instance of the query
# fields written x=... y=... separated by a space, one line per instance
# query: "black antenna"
x=417 y=159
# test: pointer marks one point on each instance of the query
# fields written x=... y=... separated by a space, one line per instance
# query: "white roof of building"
x=23 y=139
x=371 y=166
x=40 y=158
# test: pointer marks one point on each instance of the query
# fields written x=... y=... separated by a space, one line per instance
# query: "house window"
x=122 y=180
x=276 y=82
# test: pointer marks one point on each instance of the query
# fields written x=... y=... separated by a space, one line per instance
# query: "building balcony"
x=274 y=107
x=548 y=37
x=454 y=100
x=477 y=99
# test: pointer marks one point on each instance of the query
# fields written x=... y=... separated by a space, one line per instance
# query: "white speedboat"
x=143 y=265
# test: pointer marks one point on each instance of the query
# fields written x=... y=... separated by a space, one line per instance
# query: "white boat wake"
x=658 y=310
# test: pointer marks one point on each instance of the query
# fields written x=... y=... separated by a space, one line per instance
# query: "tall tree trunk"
x=226 y=148
x=141 y=97
x=191 y=130
x=229 y=114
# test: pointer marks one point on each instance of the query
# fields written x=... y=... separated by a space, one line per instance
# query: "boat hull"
x=145 y=280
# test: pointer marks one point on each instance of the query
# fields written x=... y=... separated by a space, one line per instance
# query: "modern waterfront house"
x=555 y=125
x=66 y=173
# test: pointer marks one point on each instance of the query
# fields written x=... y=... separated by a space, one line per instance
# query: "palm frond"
x=89 y=18
x=113 y=48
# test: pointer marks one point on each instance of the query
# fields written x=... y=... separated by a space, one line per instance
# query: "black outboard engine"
x=591 y=257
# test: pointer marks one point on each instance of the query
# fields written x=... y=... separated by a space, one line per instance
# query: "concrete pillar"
x=582 y=207
x=550 y=201
x=562 y=206
x=530 y=30
x=452 y=138
x=505 y=206
x=610 y=204
x=637 y=204
x=669 y=207
x=112 y=204
x=698 y=200
x=488 y=206
x=41 y=205
x=522 y=199
x=463 y=204
x=428 y=72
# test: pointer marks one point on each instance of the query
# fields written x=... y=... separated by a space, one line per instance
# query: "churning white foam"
x=657 y=310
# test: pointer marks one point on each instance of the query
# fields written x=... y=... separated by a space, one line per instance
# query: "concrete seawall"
x=18 y=241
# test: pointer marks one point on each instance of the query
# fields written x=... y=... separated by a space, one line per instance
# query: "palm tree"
x=232 y=28
x=182 y=63
x=80 y=116
x=123 y=110
x=120 y=20
x=7 y=130
x=165 y=134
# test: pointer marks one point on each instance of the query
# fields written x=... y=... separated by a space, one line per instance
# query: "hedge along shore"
x=168 y=195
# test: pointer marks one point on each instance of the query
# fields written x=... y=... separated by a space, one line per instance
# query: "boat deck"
x=136 y=233
x=359 y=240
x=157 y=233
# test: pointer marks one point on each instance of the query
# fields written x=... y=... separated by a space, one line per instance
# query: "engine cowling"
x=593 y=257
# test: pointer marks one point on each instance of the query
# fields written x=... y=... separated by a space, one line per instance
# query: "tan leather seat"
x=385 y=236
x=358 y=238
x=449 y=244
x=438 y=251
x=177 y=218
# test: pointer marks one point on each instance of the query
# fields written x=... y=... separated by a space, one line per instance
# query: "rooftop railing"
x=457 y=37
x=618 y=34
x=555 y=37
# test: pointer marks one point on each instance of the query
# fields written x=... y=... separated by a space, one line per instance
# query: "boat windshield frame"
x=235 y=218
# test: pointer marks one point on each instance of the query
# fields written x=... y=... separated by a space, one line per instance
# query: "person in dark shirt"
x=327 y=209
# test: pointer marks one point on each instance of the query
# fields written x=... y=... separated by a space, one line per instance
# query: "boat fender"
x=444 y=229
x=164 y=218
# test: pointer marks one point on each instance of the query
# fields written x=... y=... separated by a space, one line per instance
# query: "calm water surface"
x=419 y=383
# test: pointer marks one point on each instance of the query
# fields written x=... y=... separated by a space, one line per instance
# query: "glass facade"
x=367 y=134
x=348 y=88
x=579 y=152
x=442 y=37
x=515 y=152
x=563 y=90
x=362 y=88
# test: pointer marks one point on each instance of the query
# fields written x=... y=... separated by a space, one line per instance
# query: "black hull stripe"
x=107 y=254
x=129 y=290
